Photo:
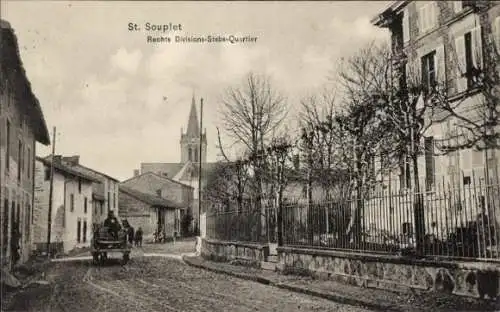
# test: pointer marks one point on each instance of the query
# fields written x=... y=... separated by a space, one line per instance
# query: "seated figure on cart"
x=112 y=224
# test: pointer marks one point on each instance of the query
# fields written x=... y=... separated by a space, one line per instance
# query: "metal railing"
x=459 y=221
x=248 y=224
x=456 y=222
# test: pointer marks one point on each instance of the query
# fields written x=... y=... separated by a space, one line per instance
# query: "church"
x=186 y=171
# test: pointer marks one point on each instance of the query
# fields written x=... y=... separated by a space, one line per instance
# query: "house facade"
x=71 y=217
x=442 y=43
x=105 y=191
x=149 y=212
x=169 y=189
x=22 y=124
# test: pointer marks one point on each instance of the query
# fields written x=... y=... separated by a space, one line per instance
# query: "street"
x=156 y=284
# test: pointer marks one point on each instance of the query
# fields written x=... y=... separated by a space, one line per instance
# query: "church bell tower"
x=190 y=140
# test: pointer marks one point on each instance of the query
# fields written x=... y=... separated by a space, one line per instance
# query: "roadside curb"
x=332 y=297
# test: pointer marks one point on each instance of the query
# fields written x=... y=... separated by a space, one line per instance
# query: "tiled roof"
x=157 y=176
x=81 y=168
x=170 y=169
x=149 y=199
x=13 y=70
x=66 y=170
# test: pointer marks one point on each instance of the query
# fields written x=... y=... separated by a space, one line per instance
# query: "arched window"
x=190 y=154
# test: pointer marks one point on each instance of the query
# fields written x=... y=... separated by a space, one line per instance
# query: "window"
x=27 y=221
x=84 y=231
x=79 y=186
x=195 y=155
x=71 y=202
x=19 y=160
x=158 y=192
x=47 y=173
x=190 y=152
x=85 y=205
x=101 y=208
x=429 y=163
x=427 y=16
x=469 y=58
x=469 y=65
x=114 y=200
x=78 y=231
x=28 y=163
x=7 y=148
x=109 y=200
x=429 y=71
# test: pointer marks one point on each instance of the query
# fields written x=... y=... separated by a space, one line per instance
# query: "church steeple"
x=190 y=140
x=193 y=128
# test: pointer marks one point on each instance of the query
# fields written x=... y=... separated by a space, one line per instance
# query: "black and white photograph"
x=199 y=156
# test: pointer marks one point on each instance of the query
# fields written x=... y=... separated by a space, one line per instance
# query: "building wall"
x=64 y=218
x=174 y=191
x=108 y=187
x=450 y=170
x=11 y=190
x=41 y=207
x=138 y=214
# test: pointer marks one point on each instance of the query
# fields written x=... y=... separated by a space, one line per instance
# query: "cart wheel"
x=126 y=258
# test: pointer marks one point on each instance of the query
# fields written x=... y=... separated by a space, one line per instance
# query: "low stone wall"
x=474 y=279
x=245 y=253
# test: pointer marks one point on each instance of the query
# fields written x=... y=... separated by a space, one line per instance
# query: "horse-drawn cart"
x=105 y=244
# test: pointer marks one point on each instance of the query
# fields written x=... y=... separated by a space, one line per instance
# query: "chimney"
x=72 y=160
x=136 y=172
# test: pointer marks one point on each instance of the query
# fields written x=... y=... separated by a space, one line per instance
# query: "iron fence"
x=245 y=225
x=457 y=222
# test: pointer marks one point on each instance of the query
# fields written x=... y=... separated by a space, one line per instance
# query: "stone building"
x=105 y=191
x=149 y=212
x=22 y=124
x=442 y=43
x=186 y=171
x=71 y=217
x=166 y=188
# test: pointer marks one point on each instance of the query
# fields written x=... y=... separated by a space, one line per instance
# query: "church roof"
x=193 y=128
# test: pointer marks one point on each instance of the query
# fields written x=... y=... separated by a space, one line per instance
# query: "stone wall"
x=393 y=272
x=245 y=253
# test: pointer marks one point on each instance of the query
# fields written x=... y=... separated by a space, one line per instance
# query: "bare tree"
x=364 y=77
x=251 y=112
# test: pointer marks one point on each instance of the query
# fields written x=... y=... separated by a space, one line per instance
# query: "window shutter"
x=457 y=6
x=433 y=14
x=422 y=19
x=477 y=52
x=440 y=65
x=406 y=26
x=460 y=64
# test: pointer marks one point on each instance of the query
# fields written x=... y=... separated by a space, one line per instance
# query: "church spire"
x=193 y=128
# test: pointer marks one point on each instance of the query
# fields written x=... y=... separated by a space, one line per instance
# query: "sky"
x=118 y=100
